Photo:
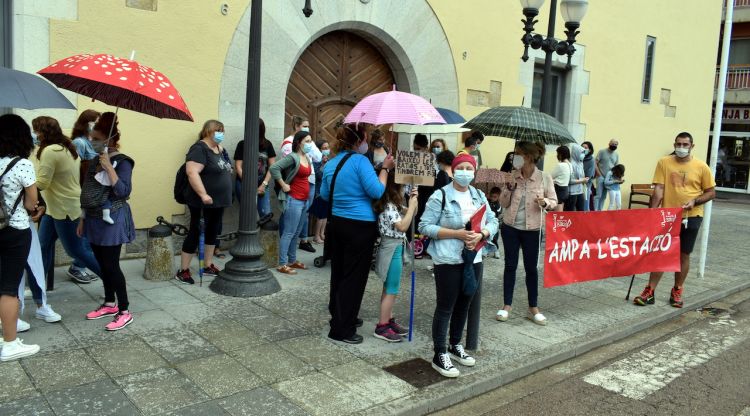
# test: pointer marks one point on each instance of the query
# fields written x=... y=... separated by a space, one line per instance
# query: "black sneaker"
x=442 y=363
x=211 y=271
x=305 y=245
x=79 y=276
x=184 y=277
x=457 y=353
x=359 y=323
x=354 y=339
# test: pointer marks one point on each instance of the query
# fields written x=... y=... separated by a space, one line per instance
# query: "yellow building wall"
x=614 y=35
x=188 y=42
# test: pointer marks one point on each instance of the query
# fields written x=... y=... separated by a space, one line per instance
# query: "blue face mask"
x=218 y=136
x=325 y=152
x=463 y=177
x=35 y=138
x=307 y=147
x=437 y=150
x=307 y=129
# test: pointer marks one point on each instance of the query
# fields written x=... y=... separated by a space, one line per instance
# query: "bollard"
x=268 y=233
x=159 y=254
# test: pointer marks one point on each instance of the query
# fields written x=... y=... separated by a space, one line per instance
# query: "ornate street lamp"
x=572 y=12
x=246 y=274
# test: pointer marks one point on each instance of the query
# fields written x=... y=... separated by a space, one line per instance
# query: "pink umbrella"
x=394 y=107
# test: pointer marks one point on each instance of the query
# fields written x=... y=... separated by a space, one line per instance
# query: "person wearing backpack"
x=458 y=265
x=107 y=239
x=18 y=196
x=209 y=173
x=350 y=185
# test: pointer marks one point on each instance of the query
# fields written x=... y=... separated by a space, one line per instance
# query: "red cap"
x=464 y=157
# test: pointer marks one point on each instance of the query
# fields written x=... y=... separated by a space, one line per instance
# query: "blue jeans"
x=78 y=248
x=295 y=210
x=601 y=194
x=264 y=201
x=587 y=196
x=513 y=241
x=305 y=232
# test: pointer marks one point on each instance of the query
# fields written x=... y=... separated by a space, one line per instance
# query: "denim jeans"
x=295 y=210
x=587 y=195
x=78 y=248
x=513 y=241
x=305 y=232
x=601 y=194
x=451 y=304
x=264 y=201
x=36 y=291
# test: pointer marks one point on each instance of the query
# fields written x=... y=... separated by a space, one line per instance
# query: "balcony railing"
x=738 y=77
x=741 y=3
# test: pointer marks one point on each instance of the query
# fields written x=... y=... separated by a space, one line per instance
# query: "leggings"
x=112 y=277
x=392 y=282
x=513 y=241
x=212 y=219
x=14 y=249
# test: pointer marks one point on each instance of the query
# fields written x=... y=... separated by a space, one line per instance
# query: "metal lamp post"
x=246 y=275
x=573 y=12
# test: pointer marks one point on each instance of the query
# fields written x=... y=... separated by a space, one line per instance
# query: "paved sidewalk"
x=192 y=352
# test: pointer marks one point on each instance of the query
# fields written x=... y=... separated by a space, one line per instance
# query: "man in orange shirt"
x=680 y=180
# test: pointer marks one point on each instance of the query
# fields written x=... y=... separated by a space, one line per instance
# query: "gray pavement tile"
x=193 y=313
x=34 y=405
x=321 y=395
x=239 y=309
x=370 y=381
x=92 y=332
x=14 y=381
x=271 y=362
x=211 y=408
x=51 y=338
x=101 y=397
x=137 y=282
x=161 y=390
x=75 y=307
x=263 y=401
x=179 y=345
x=228 y=335
x=219 y=375
x=316 y=351
x=63 y=370
x=149 y=322
x=273 y=327
x=168 y=296
x=139 y=303
x=127 y=356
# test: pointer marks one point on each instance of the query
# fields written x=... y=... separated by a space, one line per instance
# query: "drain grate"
x=417 y=372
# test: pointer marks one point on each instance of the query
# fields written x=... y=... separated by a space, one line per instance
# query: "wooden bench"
x=638 y=191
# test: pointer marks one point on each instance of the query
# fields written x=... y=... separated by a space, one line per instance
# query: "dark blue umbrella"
x=20 y=89
x=450 y=116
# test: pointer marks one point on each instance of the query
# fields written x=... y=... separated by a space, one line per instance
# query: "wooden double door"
x=332 y=75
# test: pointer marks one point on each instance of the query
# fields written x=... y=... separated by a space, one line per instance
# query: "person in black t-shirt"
x=266 y=158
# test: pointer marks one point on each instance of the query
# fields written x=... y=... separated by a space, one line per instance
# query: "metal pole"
x=545 y=105
x=246 y=274
x=716 y=137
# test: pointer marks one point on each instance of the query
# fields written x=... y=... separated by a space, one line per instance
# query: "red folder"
x=476 y=225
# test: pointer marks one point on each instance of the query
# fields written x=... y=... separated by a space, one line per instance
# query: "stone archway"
x=331 y=75
x=421 y=60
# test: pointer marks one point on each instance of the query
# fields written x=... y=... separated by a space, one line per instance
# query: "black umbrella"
x=521 y=123
x=23 y=90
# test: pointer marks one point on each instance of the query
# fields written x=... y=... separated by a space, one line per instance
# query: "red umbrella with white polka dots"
x=120 y=82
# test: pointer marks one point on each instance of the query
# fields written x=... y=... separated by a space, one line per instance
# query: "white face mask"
x=518 y=161
x=362 y=148
x=682 y=152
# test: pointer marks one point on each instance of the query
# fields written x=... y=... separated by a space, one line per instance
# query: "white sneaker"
x=47 y=314
x=442 y=363
x=22 y=326
x=502 y=315
x=458 y=353
x=16 y=349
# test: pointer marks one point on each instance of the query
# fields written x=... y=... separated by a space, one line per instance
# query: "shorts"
x=562 y=193
x=689 y=234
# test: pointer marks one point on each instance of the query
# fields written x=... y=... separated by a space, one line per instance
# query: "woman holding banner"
x=452 y=245
x=524 y=196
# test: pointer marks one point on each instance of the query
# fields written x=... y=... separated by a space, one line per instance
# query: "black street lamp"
x=573 y=12
x=246 y=274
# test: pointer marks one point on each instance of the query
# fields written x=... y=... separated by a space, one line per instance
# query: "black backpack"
x=5 y=213
x=181 y=185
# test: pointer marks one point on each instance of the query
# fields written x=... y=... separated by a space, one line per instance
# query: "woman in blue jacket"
x=352 y=227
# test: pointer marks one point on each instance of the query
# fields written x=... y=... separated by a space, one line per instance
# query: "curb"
x=492 y=378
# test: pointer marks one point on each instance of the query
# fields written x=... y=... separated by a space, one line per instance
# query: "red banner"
x=583 y=246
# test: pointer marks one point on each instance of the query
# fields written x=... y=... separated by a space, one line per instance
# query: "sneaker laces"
x=445 y=360
x=460 y=350
x=646 y=292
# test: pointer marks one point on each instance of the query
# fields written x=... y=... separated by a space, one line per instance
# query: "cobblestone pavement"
x=191 y=351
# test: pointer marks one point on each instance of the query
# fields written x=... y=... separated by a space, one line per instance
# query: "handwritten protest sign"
x=416 y=168
x=582 y=246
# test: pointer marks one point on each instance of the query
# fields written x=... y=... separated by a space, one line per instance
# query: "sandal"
x=219 y=254
x=286 y=270
x=537 y=318
x=297 y=265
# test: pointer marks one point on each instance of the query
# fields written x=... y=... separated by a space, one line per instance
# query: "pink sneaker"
x=121 y=321
x=102 y=311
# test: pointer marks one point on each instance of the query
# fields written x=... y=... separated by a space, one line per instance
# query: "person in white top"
x=300 y=123
x=561 y=176
x=18 y=182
